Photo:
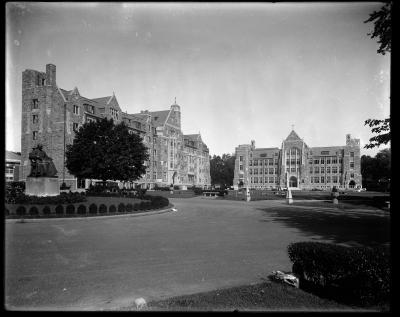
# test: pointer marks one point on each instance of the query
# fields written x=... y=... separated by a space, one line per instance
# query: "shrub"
x=197 y=190
x=14 y=190
x=46 y=210
x=112 y=209
x=7 y=212
x=355 y=274
x=21 y=210
x=81 y=209
x=33 y=211
x=70 y=210
x=136 y=207
x=129 y=207
x=103 y=209
x=121 y=207
x=63 y=198
x=59 y=210
x=93 y=209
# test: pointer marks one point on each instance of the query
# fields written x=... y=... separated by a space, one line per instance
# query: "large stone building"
x=298 y=166
x=51 y=115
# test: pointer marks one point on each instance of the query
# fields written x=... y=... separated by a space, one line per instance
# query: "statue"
x=41 y=164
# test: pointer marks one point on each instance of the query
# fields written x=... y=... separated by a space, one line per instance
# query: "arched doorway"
x=174 y=177
x=352 y=184
x=292 y=181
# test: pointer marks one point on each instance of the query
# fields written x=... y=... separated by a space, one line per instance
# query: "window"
x=322 y=179
x=287 y=162
x=322 y=160
x=351 y=164
x=292 y=161
x=328 y=179
x=270 y=162
x=76 y=109
x=322 y=170
x=316 y=169
x=75 y=127
x=334 y=160
x=90 y=109
x=288 y=169
x=311 y=170
x=35 y=104
x=255 y=162
x=334 y=179
x=35 y=118
x=351 y=154
x=241 y=158
x=340 y=160
x=328 y=169
x=310 y=162
x=328 y=161
x=334 y=169
x=251 y=171
x=35 y=135
x=240 y=167
x=316 y=161
x=352 y=175
x=271 y=170
x=293 y=169
x=250 y=163
x=316 y=179
x=324 y=152
x=263 y=155
x=298 y=161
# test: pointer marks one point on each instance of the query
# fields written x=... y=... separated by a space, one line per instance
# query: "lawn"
x=266 y=296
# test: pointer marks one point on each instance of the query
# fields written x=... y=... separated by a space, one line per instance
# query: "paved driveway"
x=105 y=263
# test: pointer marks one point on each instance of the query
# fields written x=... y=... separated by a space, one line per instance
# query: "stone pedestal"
x=42 y=186
x=289 y=198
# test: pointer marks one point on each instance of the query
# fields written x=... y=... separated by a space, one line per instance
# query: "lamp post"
x=248 y=198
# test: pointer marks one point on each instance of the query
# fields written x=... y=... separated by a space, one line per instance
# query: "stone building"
x=298 y=166
x=51 y=115
x=13 y=164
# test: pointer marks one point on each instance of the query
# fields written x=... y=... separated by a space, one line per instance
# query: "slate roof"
x=102 y=99
x=159 y=117
x=293 y=136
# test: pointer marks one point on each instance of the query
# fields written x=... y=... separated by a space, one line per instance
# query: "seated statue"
x=41 y=164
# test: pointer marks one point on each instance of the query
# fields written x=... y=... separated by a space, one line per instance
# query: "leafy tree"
x=383 y=31
x=376 y=170
x=222 y=170
x=102 y=150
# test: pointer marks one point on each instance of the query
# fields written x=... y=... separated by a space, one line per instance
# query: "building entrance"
x=292 y=181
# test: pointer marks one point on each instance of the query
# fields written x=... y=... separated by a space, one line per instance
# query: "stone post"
x=289 y=198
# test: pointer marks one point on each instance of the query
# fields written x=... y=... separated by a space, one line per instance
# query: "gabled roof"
x=293 y=137
x=159 y=117
x=104 y=100
x=192 y=137
x=13 y=156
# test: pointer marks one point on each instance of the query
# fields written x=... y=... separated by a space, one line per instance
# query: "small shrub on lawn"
x=81 y=209
x=21 y=210
x=121 y=207
x=103 y=209
x=360 y=275
x=129 y=207
x=33 y=211
x=93 y=209
x=46 y=210
x=59 y=210
x=70 y=210
x=112 y=209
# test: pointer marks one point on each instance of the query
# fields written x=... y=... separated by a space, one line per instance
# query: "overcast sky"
x=239 y=71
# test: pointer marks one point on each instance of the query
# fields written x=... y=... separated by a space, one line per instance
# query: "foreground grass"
x=267 y=296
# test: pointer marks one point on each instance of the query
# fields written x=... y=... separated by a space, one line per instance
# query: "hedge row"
x=153 y=203
x=360 y=275
x=63 y=198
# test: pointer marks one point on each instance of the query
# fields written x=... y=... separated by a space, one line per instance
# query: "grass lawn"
x=267 y=296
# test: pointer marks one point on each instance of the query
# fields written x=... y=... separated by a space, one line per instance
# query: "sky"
x=239 y=71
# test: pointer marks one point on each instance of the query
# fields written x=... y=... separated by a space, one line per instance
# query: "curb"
x=149 y=213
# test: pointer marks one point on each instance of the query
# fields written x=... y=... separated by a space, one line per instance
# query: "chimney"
x=51 y=74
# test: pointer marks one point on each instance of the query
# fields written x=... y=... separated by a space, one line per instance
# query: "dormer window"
x=76 y=109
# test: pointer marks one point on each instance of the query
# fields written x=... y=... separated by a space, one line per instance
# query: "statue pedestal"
x=42 y=186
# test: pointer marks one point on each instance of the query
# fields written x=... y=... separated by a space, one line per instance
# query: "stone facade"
x=50 y=116
x=298 y=166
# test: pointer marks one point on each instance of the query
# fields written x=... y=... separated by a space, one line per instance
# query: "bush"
x=14 y=190
x=93 y=209
x=70 y=210
x=33 y=211
x=353 y=274
x=21 y=210
x=63 y=198
x=46 y=210
x=103 y=209
x=136 y=207
x=129 y=207
x=197 y=190
x=59 y=210
x=7 y=212
x=121 y=207
x=81 y=209
x=112 y=209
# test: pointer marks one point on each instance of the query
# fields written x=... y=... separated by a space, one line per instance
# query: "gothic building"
x=298 y=166
x=51 y=115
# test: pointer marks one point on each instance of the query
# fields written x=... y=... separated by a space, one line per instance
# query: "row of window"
x=321 y=170
x=266 y=171
x=317 y=179
x=269 y=180
x=262 y=162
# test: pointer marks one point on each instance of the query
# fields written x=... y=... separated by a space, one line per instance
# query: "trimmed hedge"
x=63 y=198
x=121 y=207
x=14 y=190
x=129 y=207
x=103 y=209
x=59 y=210
x=112 y=208
x=33 y=211
x=360 y=275
x=70 y=210
x=21 y=210
x=81 y=209
x=46 y=210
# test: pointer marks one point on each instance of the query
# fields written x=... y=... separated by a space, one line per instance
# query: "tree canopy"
x=102 y=150
x=376 y=170
x=382 y=20
x=222 y=170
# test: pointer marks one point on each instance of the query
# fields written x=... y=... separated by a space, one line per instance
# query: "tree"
x=383 y=31
x=222 y=170
x=375 y=171
x=102 y=150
